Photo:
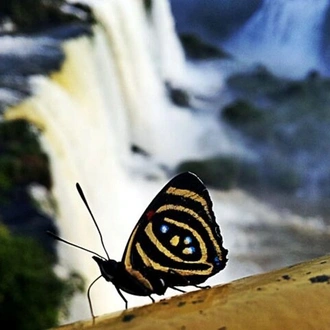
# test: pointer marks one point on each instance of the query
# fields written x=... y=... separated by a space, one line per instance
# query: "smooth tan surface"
x=296 y=297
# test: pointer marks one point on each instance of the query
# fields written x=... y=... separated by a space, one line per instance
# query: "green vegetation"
x=22 y=161
x=32 y=296
x=32 y=15
x=285 y=124
x=242 y=112
x=29 y=13
x=219 y=172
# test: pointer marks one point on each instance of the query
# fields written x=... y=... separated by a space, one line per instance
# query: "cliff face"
x=295 y=297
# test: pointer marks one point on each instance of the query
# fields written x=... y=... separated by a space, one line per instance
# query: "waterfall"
x=109 y=94
x=285 y=35
x=147 y=54
x=168 y=51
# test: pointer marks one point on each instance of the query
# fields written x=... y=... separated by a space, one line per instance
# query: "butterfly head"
x=108 y=268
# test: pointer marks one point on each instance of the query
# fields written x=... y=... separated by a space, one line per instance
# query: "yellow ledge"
x=295 y=297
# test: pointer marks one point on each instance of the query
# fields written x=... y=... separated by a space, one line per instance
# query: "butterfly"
x=176 y=242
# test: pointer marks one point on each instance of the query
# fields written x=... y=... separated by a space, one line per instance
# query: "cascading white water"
x=165 y=44
x=284 y=35
x=156 y=125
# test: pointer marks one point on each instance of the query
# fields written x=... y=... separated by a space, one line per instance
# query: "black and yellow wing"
x=177 y=236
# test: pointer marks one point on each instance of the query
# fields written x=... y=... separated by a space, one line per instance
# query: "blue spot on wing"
x=217 y=261
x=192 y=249
x=164 y=229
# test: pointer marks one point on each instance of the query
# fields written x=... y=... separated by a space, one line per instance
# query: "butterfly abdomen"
x=115 y=272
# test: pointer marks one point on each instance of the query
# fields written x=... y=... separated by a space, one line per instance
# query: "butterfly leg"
x=177 y=289
x=171 y=271
x=201 y=286
x=122 y=297
x=89 y=298
x=152 y=299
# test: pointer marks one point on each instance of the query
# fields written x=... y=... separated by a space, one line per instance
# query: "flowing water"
x=284 y=35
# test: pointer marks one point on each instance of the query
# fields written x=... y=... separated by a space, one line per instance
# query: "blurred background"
x=120 y=96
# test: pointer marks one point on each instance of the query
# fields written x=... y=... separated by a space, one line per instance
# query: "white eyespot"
x=187 y=240
x=164 y=229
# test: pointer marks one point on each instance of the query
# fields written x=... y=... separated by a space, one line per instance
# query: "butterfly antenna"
x=72 y=244
x=90 y=212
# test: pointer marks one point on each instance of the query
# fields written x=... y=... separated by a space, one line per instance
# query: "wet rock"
x=179 y=97
x=196 y=48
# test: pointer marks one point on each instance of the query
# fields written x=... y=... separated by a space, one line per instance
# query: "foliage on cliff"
x=32 y=296
x=33 y=14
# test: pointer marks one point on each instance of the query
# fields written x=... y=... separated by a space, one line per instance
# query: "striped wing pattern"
x=177 y=234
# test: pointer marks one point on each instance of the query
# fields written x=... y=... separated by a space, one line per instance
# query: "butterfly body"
x=176 y=242
x=115 y=272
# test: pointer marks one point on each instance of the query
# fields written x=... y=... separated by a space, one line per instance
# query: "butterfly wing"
x=177 y=236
